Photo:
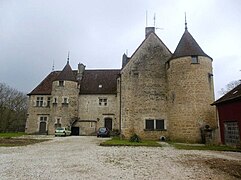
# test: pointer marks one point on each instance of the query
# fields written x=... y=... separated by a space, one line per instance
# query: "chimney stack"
x=149 y=30
x=81 y=69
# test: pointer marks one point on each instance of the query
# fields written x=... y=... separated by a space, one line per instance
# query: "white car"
x=62 y=131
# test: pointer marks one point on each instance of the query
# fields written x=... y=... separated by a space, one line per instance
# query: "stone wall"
x=34 y=113
x=89 y=109
x=65 y=112
x=143 y=89
x=190 y=93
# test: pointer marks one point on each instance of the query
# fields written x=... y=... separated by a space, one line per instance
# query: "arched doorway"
x=108 y=123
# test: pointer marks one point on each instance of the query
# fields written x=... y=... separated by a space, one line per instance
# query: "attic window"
x=61 y=83
x=100 y=86
x=235 y=92
x=194 y=60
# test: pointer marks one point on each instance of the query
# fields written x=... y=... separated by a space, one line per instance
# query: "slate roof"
x=187 y=46
x=99 y=82
x=66 y=74
x=89 y=84
x=45 y=87
x=233 y=95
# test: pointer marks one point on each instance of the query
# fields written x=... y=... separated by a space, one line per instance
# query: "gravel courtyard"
x=82 y=158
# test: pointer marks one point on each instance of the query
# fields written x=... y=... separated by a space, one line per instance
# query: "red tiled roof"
x=187 y=46
x=232 y=95
x=99 y=82
x=45 y=87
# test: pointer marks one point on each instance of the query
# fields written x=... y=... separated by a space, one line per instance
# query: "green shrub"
x=135 y=138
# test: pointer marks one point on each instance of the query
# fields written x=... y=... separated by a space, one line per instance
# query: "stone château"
x=155 y=94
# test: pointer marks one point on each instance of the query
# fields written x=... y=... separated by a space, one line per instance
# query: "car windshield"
x=60 y=128
x=102 y=129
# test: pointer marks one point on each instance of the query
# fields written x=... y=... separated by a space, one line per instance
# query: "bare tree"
x=229 y=87
x=13 y=109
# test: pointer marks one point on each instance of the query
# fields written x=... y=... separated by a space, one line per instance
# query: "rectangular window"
x=58 y=123
x=160 y=124
x=150 y=124
x=48 y=101
x=55 y=100
x=39 y=101
x=43 y=118
x=154 y=124
x=103 y=101
x=92 y=124
x=167 y=64
x=61 y=83
x=65 y=100
x=194 y=60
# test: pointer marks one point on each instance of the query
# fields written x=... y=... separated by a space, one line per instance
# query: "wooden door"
x=42 y=128
x=108 y=123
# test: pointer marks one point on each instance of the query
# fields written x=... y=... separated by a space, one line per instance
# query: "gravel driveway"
x=82 y=158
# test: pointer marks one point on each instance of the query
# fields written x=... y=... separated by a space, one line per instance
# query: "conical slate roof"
x=187 y=46
x=66 y=74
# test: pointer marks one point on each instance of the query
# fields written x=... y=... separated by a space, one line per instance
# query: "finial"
x=185 y=22
x=68 y=58
x=53 y=66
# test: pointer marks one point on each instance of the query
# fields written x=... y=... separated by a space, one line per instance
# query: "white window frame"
x=155 y=120
x=65 y=98
x=39 y=101
x=55 y=100
x=103 y=101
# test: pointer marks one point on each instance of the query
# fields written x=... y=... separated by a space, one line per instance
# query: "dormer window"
x=61 y=83
x=195 y=60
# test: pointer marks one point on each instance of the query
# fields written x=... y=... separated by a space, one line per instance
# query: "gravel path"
x=82 y=158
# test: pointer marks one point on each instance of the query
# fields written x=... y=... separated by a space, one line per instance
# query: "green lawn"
x=124 y=142
x=204 y=147
x=9 y=135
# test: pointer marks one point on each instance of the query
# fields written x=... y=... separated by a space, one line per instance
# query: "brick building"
x=155 y=93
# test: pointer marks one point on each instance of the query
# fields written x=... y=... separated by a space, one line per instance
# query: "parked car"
x=103 y=132
x=62 y=131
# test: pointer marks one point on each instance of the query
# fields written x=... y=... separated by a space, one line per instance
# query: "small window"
x=65 y=100
x=103 y=101
x=167 y=64
x=48 y=101
x=160 y=124
x=43 y=118
x=92 y=124
x=61 y=83
x=195 y=60
x=55 y=100
x=39 y=101
x=150 y=124
x=58 y=123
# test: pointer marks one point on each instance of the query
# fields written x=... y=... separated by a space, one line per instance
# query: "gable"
x=150 y=45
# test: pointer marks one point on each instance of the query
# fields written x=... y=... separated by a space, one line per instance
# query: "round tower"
x=190 y=91
x=64 y=99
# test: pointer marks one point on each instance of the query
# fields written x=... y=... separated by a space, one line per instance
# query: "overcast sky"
x=34 y=33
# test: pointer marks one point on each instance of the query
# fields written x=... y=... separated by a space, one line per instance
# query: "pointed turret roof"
x=187 y=46
x=66 y=74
